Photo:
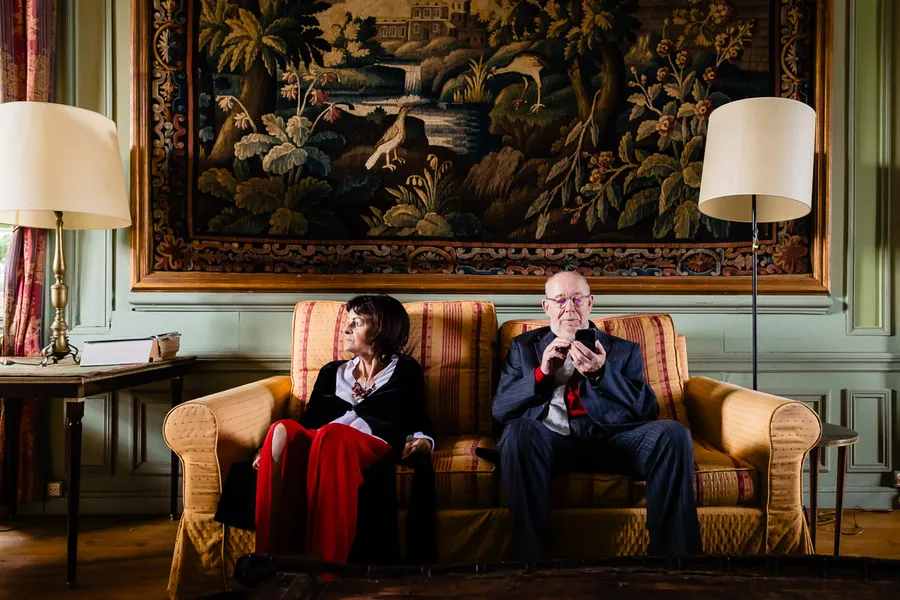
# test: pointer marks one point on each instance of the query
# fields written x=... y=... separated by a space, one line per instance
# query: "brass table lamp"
x=60 y=168
x=758 y=168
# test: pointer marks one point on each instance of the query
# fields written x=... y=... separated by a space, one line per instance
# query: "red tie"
x=573 y=397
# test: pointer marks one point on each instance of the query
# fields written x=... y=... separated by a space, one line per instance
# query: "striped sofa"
x=749 y=447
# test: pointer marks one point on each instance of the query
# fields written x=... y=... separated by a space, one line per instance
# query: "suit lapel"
x=541 y=343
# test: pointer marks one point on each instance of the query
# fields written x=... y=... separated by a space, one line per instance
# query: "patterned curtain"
x=27 y=40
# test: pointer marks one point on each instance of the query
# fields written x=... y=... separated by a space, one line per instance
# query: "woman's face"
x=358 y=334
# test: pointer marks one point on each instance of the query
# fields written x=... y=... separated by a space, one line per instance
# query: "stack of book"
x=130 y=350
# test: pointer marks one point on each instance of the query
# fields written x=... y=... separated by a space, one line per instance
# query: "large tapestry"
x=459 y=144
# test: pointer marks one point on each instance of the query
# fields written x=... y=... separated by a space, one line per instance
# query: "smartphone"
x=586 y=337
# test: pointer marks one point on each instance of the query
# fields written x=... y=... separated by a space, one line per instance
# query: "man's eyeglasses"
x=577 y=301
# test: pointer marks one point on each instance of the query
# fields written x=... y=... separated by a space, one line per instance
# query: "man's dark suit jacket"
x=617 y=399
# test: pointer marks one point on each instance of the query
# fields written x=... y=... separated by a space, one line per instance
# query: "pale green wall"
x=837 y=353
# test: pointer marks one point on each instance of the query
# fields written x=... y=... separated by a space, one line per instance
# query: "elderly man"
x=570 y=406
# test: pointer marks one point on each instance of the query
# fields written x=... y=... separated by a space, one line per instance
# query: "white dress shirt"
x=343 y=389
x=557 y=419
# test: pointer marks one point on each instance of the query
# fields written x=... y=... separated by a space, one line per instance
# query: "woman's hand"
x=416 y=445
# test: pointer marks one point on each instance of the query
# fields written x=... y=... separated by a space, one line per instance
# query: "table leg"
x=13 y=410
x=839 y=498
x=813 y=495
x=176 y=385
x=74 y=414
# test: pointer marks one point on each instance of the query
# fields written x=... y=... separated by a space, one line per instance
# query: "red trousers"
x=309 y=502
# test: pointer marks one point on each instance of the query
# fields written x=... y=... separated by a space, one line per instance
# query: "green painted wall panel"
x=867 y=166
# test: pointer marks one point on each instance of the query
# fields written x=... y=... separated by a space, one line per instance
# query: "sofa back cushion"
x=317 y=340
x=655 y=333
x=455 y=342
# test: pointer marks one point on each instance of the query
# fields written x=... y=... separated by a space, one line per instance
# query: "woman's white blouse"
x=343 y=389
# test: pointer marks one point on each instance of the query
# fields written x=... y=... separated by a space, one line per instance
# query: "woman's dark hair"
x=389 y=320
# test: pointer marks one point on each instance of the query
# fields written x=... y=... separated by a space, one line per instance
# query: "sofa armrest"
x=771 y=433
x=212 y=433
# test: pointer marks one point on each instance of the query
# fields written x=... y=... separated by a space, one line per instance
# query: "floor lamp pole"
x=755 y=247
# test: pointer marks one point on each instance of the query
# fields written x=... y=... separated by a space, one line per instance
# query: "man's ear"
x=545 y=305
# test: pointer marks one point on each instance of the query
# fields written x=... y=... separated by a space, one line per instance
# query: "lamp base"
x=59 y=347
x=49 y=353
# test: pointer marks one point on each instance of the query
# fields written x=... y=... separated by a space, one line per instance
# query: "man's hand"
x=586 y=361
x=417 y=445
x=554 y=356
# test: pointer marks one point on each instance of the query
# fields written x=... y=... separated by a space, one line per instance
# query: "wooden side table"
x=842 y=438
x=25 y=378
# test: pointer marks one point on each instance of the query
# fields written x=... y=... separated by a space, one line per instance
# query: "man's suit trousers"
x=658 y=452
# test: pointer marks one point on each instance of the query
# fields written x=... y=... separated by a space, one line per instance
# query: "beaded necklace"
x=361 y=392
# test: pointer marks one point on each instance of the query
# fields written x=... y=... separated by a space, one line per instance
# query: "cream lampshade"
x=761 y=146
x=758 y=166
x=60 y=168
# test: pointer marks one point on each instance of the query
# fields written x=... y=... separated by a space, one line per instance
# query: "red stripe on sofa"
x=664 y=362
x=474 y=388
x=337 y=332
x=303 y=354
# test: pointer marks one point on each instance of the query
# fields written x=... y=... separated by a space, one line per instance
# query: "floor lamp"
x=60 y=168
x=758 y=168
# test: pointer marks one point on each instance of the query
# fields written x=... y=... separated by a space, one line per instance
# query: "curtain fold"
x=27 y=64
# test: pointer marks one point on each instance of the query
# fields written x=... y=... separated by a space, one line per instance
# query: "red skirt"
x=309 y=503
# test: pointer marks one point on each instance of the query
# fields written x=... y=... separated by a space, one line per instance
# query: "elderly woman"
x=364 y=415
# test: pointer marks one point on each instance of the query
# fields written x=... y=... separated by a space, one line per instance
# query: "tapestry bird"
x=390 y=141
x=528 y=65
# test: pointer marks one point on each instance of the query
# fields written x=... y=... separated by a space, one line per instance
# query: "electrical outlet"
x=54 y=489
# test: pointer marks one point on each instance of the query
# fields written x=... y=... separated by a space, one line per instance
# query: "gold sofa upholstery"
x=749 y=447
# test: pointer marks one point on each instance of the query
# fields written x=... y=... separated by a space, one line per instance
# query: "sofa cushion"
x=465 y=481
x=719 y=480
x=316 y=341
x=454 y=342
x=655 y=333
x=462 y=480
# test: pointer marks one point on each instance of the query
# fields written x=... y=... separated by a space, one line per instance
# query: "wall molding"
x=776 y=362
x=800 y=362
x=528 y=307
x=85 y=286
x=874 y=498
x=864 y=245
x=110 y=57
x=140 y=465
x=883 y=432
x=107 y=503
x=82 y=274
x=108 y=442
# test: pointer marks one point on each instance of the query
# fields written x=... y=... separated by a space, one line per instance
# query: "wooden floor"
x=117 y=558
x=130 y=558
